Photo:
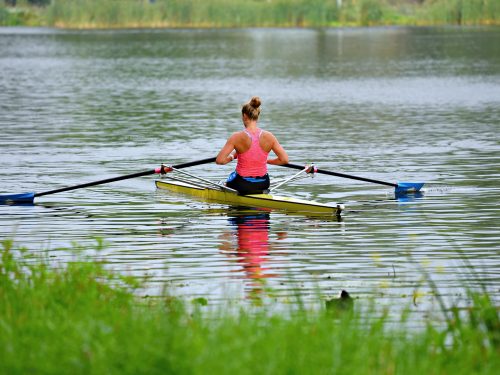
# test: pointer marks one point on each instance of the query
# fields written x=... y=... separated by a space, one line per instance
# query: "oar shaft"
x=125 y=177
x=337 y=174
x=193 y=163
x=94 y=183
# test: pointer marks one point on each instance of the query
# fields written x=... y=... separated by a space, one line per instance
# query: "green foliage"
x=18 y=16
x=177 y=13
x=371 y=12
x=247 y=13
x=81 y=318
x=39 y=3
x=463 y=12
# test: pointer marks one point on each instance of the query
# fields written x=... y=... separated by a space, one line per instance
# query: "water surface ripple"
x=393 y=104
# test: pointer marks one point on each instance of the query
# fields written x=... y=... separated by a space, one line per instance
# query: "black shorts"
x=248 y=185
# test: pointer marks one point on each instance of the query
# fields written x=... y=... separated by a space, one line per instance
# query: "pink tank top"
x=253 y=162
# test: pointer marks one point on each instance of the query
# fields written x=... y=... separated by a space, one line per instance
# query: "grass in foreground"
x=81 y=318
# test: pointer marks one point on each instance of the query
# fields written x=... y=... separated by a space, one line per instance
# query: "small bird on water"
x=344 y=302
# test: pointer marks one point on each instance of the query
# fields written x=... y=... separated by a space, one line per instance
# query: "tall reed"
x=250 y=13
x=460 y=12
x=191 y=13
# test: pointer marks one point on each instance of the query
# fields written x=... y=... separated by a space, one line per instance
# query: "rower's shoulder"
x=237 y=138
x=267 y=134
x=236 y=135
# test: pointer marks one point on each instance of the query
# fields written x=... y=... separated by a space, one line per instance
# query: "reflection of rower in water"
x=252 y=247
x=253 y=242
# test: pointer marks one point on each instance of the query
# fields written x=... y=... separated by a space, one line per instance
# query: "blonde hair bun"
x=255 y=102
x=252 y=108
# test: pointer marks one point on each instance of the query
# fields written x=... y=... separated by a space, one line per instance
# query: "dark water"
x=393 y=104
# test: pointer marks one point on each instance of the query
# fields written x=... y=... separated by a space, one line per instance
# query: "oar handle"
x=337 y=174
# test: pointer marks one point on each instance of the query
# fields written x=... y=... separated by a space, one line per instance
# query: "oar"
x=400 y=187
x=29 y=197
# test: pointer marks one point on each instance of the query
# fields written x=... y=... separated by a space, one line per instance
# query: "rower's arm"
x=282 y=156
x=226 y=154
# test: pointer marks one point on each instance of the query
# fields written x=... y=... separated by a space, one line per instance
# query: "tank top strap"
x=254 y=137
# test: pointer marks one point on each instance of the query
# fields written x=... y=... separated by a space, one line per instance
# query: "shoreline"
x=280 y=28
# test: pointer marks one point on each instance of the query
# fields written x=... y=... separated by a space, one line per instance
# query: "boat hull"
x=253 y=200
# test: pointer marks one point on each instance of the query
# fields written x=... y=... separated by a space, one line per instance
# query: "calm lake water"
x=394 y=104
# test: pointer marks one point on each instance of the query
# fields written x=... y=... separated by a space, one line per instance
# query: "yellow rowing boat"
x=254 y=200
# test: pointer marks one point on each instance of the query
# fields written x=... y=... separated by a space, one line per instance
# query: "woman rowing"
x=251 y=147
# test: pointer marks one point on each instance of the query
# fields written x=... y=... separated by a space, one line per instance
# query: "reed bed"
x=79 y=317
x=249 y=13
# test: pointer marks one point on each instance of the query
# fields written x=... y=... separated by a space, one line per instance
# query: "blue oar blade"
x=24 y=198
x=409 y=187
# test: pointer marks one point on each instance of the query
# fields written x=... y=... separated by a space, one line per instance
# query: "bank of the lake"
x=241 y=13
x=81 y=318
